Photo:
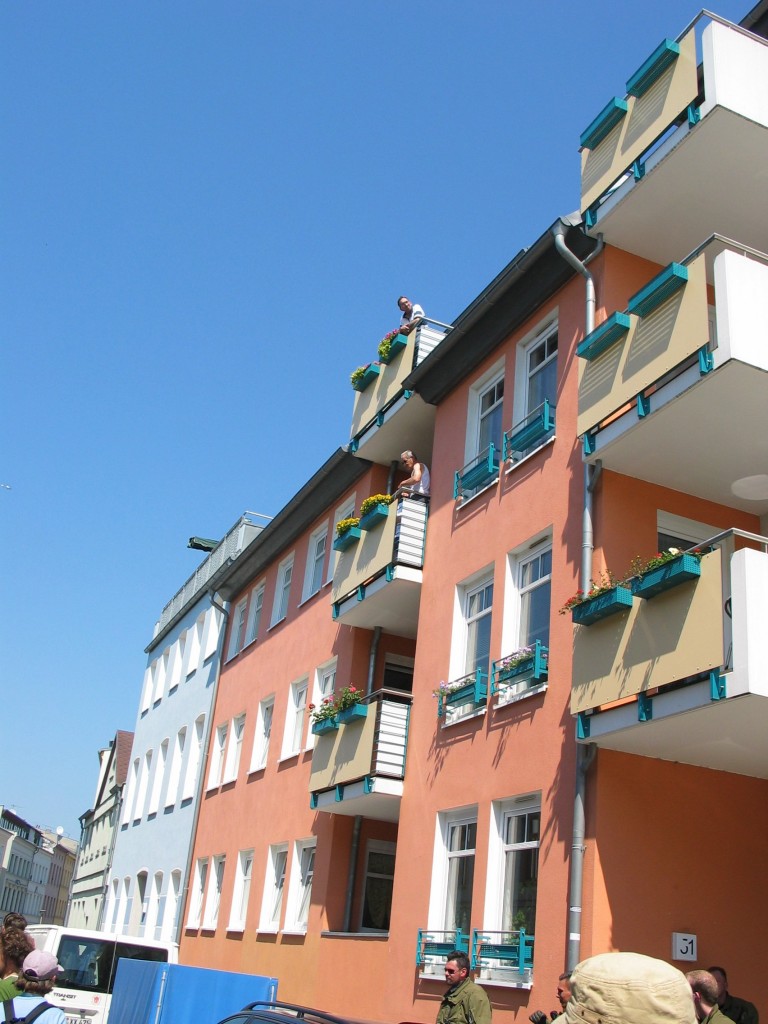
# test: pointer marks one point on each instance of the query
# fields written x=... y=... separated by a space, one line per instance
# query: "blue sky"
x=208 y=211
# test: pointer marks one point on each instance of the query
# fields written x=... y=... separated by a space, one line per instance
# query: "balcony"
x=678 y=398
x=694 y=103
x=503 y=957
x=359 y=767
x=387 y=419
x=432 y=947
x=684 y=676
x=377 y=581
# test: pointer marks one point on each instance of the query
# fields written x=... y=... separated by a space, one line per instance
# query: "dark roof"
x=516 y=293
x=327 y=485
x=756 y=20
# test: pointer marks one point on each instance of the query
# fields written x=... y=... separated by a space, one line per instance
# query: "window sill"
x=288 y=757
x=499 y=983
x=295 y=931
x=308 y=598
x=477 y=713
x=503 y=701
x=355 y=935
x=257 y=768
x=468 y=501
x=235 y=929
x=276 y=623
x=513 y=466
x=267 y=930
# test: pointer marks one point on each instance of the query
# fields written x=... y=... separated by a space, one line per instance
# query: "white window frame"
x=324 y=684
x=345 y=511
x=374 y=846
x=173 y=906
x=213 y=615
x=282 y=590
x=237 y=631
x=198 y=893
x=141 y=796
x=241 y=892
x=194 y=759
x=234 y=749
x=157 y=782
x=477 y=389
x=313 y=579
x=218 y=747
x=461 y=633
x=130 y=792
x=535 y=337
x=274 y=888
x=254 y=613
x=295 y=716
x=300 y=886
x=264 y=722
x=176 y=761
x=215 y=890
x=438 y=897
x=177 y=666
x=196 y=645
x=147 y=690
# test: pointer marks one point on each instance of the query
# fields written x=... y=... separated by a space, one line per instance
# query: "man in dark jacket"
x=464 y=1002
x=739 y=1010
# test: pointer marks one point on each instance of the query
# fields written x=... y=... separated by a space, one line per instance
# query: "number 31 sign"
x=683 y=946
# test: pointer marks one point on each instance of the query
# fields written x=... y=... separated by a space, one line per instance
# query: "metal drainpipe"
x=355 y=845
x=224 y=609
x=584 y=754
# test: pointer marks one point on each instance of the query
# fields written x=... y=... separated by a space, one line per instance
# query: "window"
x=130 y=792
x=460 y=853
x=198 y=891
x=193 y=764
x=513 y=865
x=212 y=636
x=217 y=755
x=490 y=406
x=377 y=889
x=154 y=910
x=175 y=775
x=157 y=782
x=141 y=797
x=254 y=614
x=484 y=428
x=235 y=749
x=294 y=719
x=238 y=629
x=196 y=644
x=534 y=586
x=282 y=590
x=536 y=382
x=170 y=919
x=478 y=604
x=344 y=511
x=313 y=576
x=263 y=732
x=242 y=891
x=178 y=662
x=146 y=693
x=274 y=885
x=325 y=681
x=299 y=897
x=160 y=672
x=213 y=899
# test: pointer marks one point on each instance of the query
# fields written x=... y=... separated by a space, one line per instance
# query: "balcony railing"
x=537 y=427
x=359 y=766
x=503 y=956
x=684 y=652
x=464 y=696
x=432 y=947
x=477 y=473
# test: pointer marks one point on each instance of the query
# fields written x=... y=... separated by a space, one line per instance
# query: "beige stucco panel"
x=676 y=634
x=653 y=345
x=647 y=116
x=384 y=388
x=366 y=558
x=345 y=754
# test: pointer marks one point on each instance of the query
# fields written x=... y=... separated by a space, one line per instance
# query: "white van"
x=89 y=961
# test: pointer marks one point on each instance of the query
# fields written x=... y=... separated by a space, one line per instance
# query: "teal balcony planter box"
x=664 y=577
x=613 y=112
x=347 y=539
x=617 y=599
x=652 y=69
x=396 y=346
x=474 y=690
x=478 y=472
x=534 y=668
x=603 y=337
x=370 y=375
x=357 y=711
x=324 y=726
x=375 y=517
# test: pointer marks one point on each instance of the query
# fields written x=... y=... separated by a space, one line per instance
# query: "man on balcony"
x=418 y=480
x=464 y=1002
x=412 y=314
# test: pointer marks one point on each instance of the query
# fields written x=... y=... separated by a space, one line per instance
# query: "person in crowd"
x=738 y=1010
x=563 y=995
x=704 y=989
x=412 y=314
x=418 y=480
x=628 y=988
x=36 y=980
x=464 y=1002
x=15 y=946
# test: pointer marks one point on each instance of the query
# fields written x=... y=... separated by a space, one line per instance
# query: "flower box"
x=350 y=714
x=347 y=539
x=664 y=577
x=375 y=517
x=324 y=725
x=368 y=377
x=535 y=666
x=396 y=345
x=473 y=690
x=617 y=599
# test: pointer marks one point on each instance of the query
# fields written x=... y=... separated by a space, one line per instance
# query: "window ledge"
x=308 y=598
x=267 y=931
x=533 y=691
x=294 y=931
x=498 y=983
x=257 y=768
x=236 y=929
x=477 y=713
x=288 y=757
x=376 y=936
x=468 y=501
x=513 y=466
x=277 y=622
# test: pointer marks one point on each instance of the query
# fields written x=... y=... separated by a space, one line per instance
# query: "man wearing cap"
x=628 y=988
x=37 y=978
x=740 y=1011
x=464 y=1002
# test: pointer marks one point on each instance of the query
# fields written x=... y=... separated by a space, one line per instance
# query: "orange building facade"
x=529 y=786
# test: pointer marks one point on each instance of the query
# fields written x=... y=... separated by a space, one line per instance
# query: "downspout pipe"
x=584 y=754
x=224 y=609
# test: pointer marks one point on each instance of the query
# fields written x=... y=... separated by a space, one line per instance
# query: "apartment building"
x=24 y=868
x=528 y=786
x=63 y=851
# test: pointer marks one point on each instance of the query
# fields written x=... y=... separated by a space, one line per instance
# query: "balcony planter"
x=368 y=376
x=324 y=725
x=473 y=689
x=375 y=517
x=347 y=539
x=664 y=577
x=396 y=346
x=617 y=599
x=533 y=667
x=352 y=713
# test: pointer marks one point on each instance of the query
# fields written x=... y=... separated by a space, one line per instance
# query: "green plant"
x=638 y=566
x=444 y=689
x=348 y=697
x=345 y=525
x=512 y=660
x=357 y=375
x=332 y=704
x=369 y=504
x=326 y=710
x=385 y=345
x=605 y=582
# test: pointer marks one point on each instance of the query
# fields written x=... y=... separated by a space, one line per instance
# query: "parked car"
x=285 y=1013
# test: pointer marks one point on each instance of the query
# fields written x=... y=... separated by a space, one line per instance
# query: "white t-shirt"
x=422 y=486
x=416 y=312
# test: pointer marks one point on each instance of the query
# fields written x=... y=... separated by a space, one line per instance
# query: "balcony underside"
x=408 y=423
x=687 y=726
x=696 y=188
x=701 y=441
x=381 y=802
x=392 y=604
